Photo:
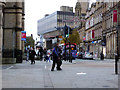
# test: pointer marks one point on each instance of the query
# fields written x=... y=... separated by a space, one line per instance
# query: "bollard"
x=116 y=64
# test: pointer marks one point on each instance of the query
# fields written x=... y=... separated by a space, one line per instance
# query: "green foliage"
x=29 y=41
x=62 y=41
x=75 y=37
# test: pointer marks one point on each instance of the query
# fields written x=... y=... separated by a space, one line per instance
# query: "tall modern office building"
x=54 y=21
x=52 y=24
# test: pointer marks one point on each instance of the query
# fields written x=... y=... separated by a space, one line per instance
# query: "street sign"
x=23 y=35
x=114 y=16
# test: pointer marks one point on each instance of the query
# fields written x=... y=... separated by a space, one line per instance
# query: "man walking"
x=27 y=54
x=41 y=53
x=32 y=56
x=56 y=58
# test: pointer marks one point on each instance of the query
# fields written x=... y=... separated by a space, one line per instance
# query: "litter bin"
x=102 y=56
x=18 y=56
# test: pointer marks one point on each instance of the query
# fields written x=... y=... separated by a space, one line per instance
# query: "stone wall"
x=1 y=30
x=2 y=4
x=13 y=25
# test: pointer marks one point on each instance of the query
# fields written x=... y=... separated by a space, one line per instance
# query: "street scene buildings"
x=99 y=30
x=53 y=60
x=95 y=24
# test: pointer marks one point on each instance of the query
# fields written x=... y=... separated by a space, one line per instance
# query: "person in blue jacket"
x=56 y=57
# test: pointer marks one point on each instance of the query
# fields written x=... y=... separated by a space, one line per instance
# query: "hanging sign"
x=23 y=35
x=115 y=16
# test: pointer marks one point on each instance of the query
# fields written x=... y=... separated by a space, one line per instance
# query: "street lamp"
x=117 y=31
x=65 y=39
x=117 y=55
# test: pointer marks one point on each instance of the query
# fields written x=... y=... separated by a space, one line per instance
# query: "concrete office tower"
x=2 y=4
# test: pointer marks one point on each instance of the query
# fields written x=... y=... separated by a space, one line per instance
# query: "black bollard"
x=116 y=64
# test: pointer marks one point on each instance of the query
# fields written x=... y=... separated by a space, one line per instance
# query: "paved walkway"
x=79 y=74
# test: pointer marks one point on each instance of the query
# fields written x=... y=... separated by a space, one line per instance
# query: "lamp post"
x=70 y=60
x=65 y=39
x=117 y=31
x=117 y=55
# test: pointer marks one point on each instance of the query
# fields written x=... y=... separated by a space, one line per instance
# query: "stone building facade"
x=66 y=9
x=13 y=24
x=80 y=13
x=94 y=28
x=84 y=5
x=2 y=4
x=110 y=28
x=99 y=28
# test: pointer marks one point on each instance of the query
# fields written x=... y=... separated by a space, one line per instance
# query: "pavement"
x=79 y=74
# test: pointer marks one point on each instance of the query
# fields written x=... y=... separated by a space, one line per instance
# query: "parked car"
x=88 y=55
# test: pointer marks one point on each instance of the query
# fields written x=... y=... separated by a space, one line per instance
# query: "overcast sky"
x=36 y=9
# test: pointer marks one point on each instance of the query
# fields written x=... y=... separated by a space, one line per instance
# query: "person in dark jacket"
x=60 y=56
x=41 y=53
x=32 y=56
x=56 y=58
x=45 y=54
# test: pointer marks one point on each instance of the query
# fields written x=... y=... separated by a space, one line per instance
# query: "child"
x=47 y=58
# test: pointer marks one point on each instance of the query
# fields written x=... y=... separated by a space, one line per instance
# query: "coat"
x=32 y=54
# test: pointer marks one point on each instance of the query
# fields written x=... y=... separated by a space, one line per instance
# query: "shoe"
x=52 y=70
x=59 y=69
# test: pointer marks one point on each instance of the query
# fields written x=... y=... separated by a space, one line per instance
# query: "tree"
x=30 y=41
x=62 y=41
x=75 y=37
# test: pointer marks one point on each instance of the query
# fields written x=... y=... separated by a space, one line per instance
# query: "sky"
x=36 y=9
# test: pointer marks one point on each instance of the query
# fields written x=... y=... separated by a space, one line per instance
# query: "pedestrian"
x=32 y=56
x=41 y=53
x=51 y=56
x=27 y=58
x=48 y=56
x=37 y=53
x=45 y=53
x=102 y=56
x=56 y=58
x=60 y=56
x=95 y=55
